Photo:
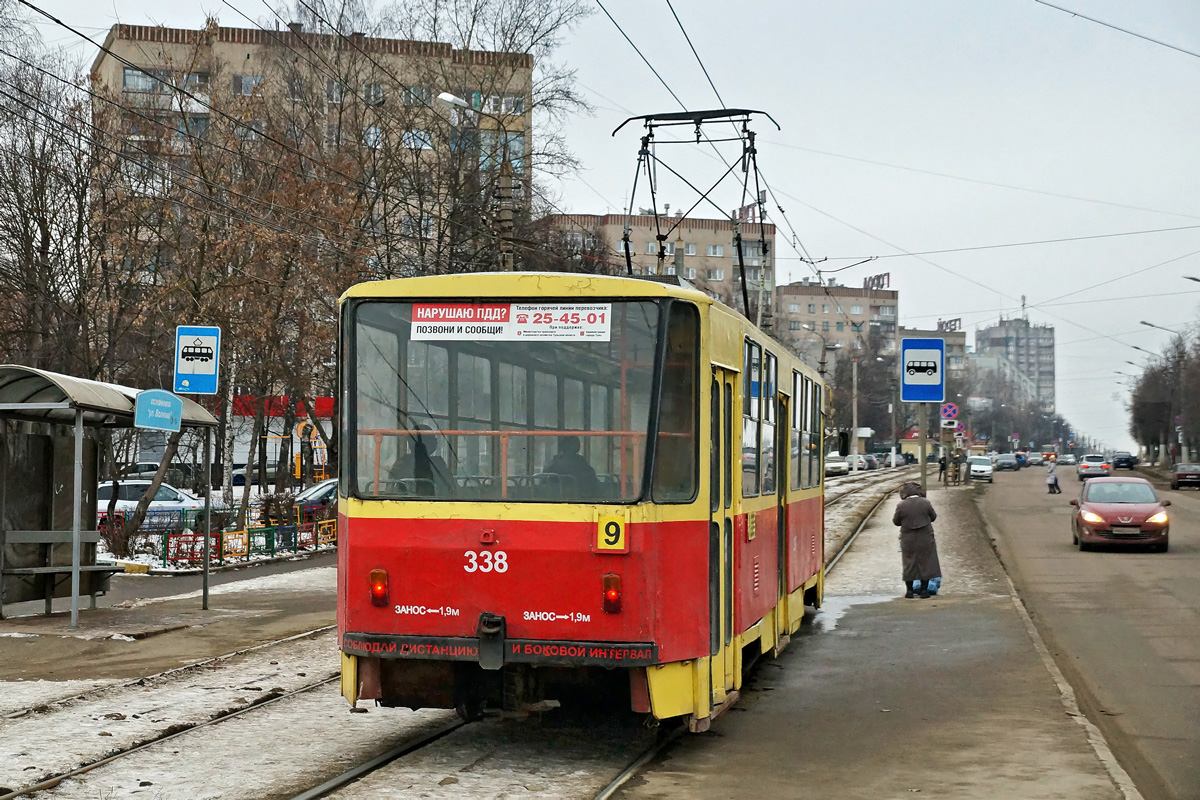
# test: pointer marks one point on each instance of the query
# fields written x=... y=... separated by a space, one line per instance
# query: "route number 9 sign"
x=610 y=535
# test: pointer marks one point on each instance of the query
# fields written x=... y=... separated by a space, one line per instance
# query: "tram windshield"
x=538 y=401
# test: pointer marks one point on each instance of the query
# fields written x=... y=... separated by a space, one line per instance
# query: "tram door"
x=783 y=462
x=720 y=541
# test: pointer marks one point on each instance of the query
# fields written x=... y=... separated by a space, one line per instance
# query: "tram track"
x=171 y=733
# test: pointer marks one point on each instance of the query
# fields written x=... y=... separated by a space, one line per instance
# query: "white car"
x=166 y=510
x=981 y=468
x=1092 y=465
x=836 y=465
x=1034 y=460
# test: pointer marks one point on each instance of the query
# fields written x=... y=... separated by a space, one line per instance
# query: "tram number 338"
x=486 y=561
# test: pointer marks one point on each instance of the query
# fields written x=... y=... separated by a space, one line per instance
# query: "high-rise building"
x=1029 y=347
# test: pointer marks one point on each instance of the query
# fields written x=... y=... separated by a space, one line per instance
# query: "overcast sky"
x=918 y=126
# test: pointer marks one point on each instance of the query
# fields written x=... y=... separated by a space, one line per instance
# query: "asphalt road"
x=1123 y=625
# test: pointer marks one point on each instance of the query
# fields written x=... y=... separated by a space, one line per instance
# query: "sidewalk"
x=883 y=697
x=145 y=636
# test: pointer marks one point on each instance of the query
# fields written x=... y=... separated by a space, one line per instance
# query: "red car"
x=1119 y=510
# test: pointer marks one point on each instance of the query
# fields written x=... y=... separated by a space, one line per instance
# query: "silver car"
x=1093 y=465
x=836 y=465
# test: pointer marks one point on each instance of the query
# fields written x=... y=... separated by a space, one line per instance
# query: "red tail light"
x=379 y=587
x=612 y=593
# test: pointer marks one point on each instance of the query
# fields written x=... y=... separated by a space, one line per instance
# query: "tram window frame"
x=682 y=330
x=817 y=423
x=768 y=458
x=515 y=383
x=798 y=450
x=751 y=418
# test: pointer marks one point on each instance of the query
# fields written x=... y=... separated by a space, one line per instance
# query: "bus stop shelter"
x=38 y=396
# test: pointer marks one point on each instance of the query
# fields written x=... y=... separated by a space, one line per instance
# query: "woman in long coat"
x=918 y=550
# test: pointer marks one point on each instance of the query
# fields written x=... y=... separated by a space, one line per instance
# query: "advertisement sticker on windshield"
x=511 y=322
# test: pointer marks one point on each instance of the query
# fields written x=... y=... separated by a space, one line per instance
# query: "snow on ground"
x=316 y=579
x=276 y=751
x=17 y=696
x=118 y=717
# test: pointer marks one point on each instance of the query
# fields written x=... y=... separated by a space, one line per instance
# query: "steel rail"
x=383 y=759
x=631 y=770
x=49 y=704
x=50 y=783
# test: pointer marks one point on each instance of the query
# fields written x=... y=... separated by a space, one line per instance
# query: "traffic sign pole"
x=922 y=424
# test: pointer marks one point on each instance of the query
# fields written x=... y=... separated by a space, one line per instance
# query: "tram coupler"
x=491 y=633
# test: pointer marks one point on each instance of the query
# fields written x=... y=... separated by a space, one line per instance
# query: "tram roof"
x=523 y=284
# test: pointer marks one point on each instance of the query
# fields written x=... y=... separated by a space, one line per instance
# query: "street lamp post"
x=504 y=219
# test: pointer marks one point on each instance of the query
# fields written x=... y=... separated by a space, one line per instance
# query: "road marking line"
x=1067 y=694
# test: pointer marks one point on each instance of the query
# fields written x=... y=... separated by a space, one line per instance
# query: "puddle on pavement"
x=834 y=607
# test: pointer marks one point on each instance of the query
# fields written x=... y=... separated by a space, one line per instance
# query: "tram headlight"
x=379 y=587
x=612 y=593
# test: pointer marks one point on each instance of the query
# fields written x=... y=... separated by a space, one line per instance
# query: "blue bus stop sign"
x=197 y=356
x=158 y=410
x=922 y=370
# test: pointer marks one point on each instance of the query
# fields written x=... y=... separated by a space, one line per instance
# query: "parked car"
x=1035 y=460
x=981 y=468
x=872 y=462
x=1066 y=460
x=1007 y=461
x=1124 y=460
x=836 y=465
x=890 y=460
x=167 y=509
x=1092 y=465
x=1120 y=510
x=239 y=474
x=317 y=500
x=1185 y=475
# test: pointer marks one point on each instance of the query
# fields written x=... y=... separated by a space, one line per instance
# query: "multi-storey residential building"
x=956 y=346
x=984 y=367
x=375 y=102
x=1029 y=347
x=812 y=316
x=701 y=251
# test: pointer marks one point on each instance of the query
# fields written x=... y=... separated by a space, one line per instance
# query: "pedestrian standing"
x=941 y=468
x=1052 y=479
x=918 y=549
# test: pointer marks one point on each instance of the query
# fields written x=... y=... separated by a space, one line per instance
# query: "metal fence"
x=176 y=538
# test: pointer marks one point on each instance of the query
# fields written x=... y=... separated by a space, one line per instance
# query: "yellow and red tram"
x=553 y=481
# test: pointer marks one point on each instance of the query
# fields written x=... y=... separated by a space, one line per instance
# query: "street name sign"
x=197 y=356
x=158 y=410
x=922 y=370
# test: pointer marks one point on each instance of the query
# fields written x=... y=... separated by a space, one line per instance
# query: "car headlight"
x=1092 y=517
x=1158 y=519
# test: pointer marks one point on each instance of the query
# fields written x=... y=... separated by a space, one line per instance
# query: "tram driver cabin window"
x=442 y=409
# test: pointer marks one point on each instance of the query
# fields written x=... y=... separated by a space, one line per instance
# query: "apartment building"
x=1029 y=347
x=812 y=316
x=701 y=251
x=324 y=91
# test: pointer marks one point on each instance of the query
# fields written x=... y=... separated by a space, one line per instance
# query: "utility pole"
x=895 y=435
x=922 y=425
x=854 y=417
x=504 y=219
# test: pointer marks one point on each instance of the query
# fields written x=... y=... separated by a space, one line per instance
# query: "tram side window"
x=816 y=429
x=751 y=392
x=768 y=424
x=806 y=427
x=675 y=465
x=799 y=448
